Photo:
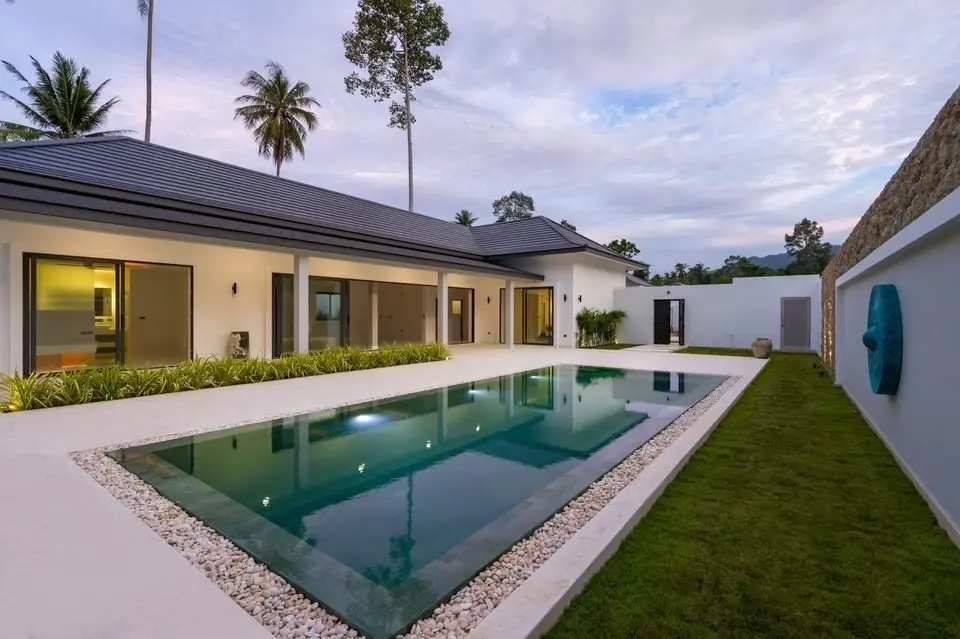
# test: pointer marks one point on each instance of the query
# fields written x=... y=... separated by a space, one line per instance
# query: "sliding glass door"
x=90 y=312
x=533 y=312
x=327 y=301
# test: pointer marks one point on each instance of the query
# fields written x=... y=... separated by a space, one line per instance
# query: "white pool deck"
x=76 y=564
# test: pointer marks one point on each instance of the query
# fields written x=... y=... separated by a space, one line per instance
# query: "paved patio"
x=78 y=564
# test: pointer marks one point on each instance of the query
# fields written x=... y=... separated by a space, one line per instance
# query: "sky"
x=695 y=128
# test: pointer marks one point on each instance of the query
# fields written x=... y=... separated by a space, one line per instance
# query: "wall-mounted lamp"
x=488 y=299
x=579 y=298
x=564 y=297
x=234 y=288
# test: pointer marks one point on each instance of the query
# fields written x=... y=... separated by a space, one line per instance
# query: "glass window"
x=328 y=323
x=74 y=314
x=98 y=313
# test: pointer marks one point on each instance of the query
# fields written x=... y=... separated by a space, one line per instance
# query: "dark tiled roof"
x=125 y=165
x=133 y=165
x=633 y=280
x=537 y=234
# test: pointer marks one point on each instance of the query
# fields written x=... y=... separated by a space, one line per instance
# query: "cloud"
x=694 y=128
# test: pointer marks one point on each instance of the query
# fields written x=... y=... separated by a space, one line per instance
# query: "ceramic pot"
x=761 y=347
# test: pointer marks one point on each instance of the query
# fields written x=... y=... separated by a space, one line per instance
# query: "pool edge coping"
x=733 y=391
x=540 y=600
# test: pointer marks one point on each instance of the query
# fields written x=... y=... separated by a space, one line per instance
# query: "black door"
x=661 y=321
x=680 y=327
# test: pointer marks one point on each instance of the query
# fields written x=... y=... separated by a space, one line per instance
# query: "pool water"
x=380 y=510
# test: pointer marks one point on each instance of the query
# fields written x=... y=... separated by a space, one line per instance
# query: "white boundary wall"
x=722 y=315
x=920 y=424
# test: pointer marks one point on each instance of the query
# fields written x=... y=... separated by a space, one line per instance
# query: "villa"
x=472 y=496
x=113 y=250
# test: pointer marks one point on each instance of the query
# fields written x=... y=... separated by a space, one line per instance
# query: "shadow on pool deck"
x=793 y=520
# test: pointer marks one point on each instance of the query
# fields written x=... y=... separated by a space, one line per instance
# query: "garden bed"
x=88 y=385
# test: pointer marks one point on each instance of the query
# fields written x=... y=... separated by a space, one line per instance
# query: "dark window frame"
x=523 y=315
x=29 y=297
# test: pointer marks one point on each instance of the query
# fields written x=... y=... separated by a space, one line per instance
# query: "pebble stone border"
x=288 y=614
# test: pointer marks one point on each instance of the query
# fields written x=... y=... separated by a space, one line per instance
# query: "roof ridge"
x=562 y=231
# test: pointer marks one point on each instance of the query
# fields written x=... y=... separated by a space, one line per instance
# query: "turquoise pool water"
x=380 y=510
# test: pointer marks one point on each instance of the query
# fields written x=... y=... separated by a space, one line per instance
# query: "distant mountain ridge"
x=779 y=260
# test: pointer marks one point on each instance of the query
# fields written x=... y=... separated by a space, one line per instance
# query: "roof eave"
x=156 y=216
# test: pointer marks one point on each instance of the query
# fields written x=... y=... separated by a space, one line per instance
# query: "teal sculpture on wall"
x=884 y=339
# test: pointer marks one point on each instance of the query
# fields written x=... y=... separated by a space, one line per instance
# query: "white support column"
x=301 y=304
x=374 y=315
x=443 y=309
x=508 y=314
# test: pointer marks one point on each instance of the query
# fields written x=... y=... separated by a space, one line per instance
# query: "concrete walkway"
x=76 y=564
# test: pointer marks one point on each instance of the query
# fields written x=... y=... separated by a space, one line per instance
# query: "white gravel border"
x=285 y=613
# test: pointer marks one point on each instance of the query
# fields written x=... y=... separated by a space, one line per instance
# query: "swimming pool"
x=381 y=510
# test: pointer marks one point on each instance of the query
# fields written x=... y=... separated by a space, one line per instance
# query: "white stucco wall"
x=722 y=315
x=216 y=310
x=919 y=424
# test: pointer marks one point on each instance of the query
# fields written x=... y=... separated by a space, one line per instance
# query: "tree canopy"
x=59 y=103
x=390 y=44
x=624 y=247
x=810 y=256
x=279 y=113
x=465 y=217
x=807 y=248
x=567 y=225
x=515 y=206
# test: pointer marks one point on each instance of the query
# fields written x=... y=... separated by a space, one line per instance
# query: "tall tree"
x=465 y=218
x=60 y=103
x=567 y=225
x=806 y=246
x=390 y=42
x=624 y=247
x=280 y=115
x=699 y=274
x=515 y=206
x=145 y=7
x=681 y=270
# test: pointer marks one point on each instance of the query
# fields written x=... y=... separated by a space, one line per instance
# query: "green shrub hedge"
x=596 y=328
x=87 y=385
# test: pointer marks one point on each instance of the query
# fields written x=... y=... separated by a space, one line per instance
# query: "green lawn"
x=793 y=520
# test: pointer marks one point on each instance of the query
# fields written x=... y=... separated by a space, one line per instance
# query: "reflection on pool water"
x=380 y=510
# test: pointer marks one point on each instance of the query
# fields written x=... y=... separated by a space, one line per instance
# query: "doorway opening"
x=795 y=323
x=668 y=322
x=533 y=313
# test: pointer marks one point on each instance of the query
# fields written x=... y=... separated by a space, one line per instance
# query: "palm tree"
x=60 y=104
x=145 y=7
x=465 y=217
x=681 y=270
x=278 y=114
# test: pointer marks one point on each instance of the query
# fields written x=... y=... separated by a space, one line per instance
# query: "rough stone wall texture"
x=928 y=174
